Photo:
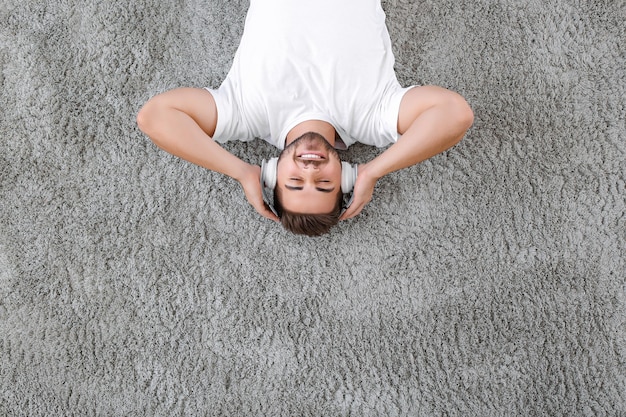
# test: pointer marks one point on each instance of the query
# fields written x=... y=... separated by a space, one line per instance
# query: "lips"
x=311 y=156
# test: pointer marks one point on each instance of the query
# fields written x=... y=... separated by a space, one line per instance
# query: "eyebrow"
x=323 y=190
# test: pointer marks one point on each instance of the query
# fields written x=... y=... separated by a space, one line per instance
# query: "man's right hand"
x=251 y=183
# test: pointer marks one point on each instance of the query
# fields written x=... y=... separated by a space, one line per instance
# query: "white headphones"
x=269 y=171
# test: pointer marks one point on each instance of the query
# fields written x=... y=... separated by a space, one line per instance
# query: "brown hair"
x=307 y=224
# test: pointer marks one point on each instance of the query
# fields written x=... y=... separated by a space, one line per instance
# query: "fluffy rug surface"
x=489 y=280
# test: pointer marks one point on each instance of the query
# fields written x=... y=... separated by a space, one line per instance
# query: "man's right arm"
x=182 y=122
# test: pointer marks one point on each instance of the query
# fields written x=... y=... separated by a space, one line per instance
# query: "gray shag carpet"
x=487 y=281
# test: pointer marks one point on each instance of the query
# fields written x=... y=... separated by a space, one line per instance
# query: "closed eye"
x=320 y=189
x=325 y=190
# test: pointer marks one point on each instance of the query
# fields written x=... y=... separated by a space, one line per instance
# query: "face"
x=309 y=175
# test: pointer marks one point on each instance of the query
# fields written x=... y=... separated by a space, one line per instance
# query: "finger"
x=349 y=215
x=346 y=214
x=267 y=213
x=349 y=210
x=262 y=208
x=354 y=210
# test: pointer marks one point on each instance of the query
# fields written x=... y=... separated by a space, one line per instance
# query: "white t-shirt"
x=304 y=60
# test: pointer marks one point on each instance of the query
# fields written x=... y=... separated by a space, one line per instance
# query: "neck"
x=318 y=126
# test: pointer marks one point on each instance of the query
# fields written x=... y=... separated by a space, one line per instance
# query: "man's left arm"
x=431 y=120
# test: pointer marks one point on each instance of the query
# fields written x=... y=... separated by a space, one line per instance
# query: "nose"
x=310 y=164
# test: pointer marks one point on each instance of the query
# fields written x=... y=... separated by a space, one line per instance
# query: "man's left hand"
x=362 y=193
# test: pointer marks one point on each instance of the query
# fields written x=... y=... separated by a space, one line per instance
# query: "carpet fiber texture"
x=487 y=281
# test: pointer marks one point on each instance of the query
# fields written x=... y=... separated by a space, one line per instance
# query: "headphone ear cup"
x=348 y=177
x=268 y=173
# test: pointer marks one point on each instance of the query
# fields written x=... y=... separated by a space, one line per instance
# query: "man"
x=309 y=76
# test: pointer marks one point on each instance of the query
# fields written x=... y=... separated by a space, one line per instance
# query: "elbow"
x=148 y=121
x=468 y=117
x=144 y=119
x=464 y=114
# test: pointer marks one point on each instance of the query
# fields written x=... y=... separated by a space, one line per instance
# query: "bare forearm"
x=182 y=122
x=192 y=144
x=430 y=134
x=431 y=120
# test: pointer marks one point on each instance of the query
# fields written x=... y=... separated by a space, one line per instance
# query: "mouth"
x=311 y=156
x=310 y=149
